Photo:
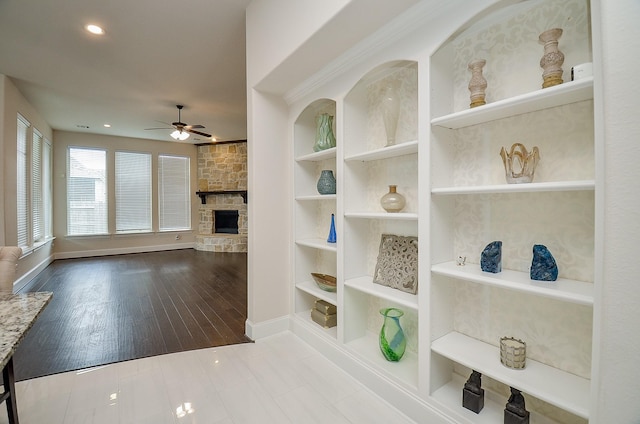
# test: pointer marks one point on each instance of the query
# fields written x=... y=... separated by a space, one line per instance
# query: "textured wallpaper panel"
x=513 y=53
x=557 y=333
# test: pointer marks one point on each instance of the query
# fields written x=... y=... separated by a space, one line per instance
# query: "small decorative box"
x=513 y=352
x=325 y=307
x=327 y=321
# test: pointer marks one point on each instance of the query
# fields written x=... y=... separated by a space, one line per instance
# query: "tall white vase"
x=390 y=111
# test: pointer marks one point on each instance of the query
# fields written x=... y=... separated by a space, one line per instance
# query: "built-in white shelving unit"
x=446 y=162
x=312 y=215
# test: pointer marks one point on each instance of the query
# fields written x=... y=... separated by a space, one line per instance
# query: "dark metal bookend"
x=515 y=412
x=473 y=393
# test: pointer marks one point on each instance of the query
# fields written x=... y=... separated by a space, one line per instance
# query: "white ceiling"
x=154 y=55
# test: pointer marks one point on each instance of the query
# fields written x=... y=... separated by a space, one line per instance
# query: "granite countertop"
x=18 y=312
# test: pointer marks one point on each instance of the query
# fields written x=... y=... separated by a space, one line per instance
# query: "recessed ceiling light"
x=107 y=125
x=94 y=29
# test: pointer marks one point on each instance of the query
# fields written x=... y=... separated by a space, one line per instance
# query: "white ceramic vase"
x=390 y=112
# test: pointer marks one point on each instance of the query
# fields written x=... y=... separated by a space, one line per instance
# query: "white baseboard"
x=409 y=402
x=271 y=327
x=123 y=250
x=26 y=278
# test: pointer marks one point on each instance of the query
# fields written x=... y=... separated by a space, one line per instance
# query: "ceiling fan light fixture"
x=95 y=29
x=180 y=135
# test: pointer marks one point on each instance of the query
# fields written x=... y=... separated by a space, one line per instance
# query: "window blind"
x=174 y=204
x=47 y=188
x=22 y=184
x=37 y=201
x=86 y=191
x=133 y=192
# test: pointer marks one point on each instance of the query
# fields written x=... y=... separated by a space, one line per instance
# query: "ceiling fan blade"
x=188 y=127
x=159 y=128
x=198 y=132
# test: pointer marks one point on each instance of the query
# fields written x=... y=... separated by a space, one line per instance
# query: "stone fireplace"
x=225 y=222
x=222 y=179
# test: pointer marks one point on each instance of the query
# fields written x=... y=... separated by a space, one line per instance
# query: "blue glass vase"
x=392 y=340
x=332 y=231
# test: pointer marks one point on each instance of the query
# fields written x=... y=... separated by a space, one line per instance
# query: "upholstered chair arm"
x=9 y=256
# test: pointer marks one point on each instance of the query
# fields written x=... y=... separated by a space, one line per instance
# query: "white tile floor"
x=277 y=380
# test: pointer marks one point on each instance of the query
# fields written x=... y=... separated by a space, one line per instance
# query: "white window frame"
x=133 y=202
x=164 y=189
x=34 y=199
x=102 y=191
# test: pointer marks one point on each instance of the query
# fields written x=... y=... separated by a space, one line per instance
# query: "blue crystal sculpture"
x=332 y=231
x=491 y=257
x=543 y=265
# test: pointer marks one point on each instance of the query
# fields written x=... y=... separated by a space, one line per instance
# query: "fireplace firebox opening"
x=225 y=222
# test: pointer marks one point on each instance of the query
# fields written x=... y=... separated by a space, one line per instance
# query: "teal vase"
x=325 y=139
x=392 y=340
x=327 y=182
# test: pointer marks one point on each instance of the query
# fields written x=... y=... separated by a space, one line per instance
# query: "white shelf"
x=317 y=243
x=563 y=289
x=313 y=289
x=583 y=185
x=366 y=285
x=404 y=371
x=396 y=150
x=563 y=94
x=305 y=316
x=557 y=387
x=383 y=215
x=450 y=396
x=318 y=156
x=316 y=197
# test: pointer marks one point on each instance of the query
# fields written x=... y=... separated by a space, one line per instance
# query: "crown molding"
x=404 y=24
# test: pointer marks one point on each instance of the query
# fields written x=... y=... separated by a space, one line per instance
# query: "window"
x=22 y=183
x=47 y=188
x=37 y=200
x=86 y=191
x=33 y=186
x=133 y=192
x=174 y=202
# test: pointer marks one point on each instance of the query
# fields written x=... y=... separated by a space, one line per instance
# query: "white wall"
x=13 y=102
x=272 y=35
x=269 y=186
x=3 y=81
x=290 y=40
x=620 y=345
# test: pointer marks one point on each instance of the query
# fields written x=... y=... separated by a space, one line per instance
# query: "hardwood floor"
x=116 y=308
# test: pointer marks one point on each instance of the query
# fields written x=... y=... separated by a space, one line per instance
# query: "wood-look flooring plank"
x=116 y=308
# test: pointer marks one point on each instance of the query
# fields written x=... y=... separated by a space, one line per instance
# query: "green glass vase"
x=325 y=139
x=392 y=340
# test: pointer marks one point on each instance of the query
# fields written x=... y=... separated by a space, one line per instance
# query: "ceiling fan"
x=182 y=130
